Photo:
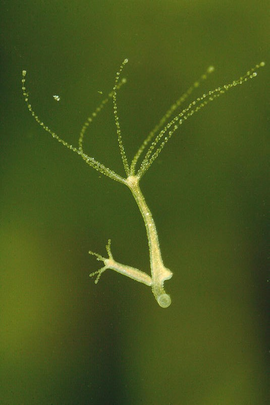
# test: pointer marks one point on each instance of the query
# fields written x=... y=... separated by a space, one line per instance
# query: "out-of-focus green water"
x=65 y=340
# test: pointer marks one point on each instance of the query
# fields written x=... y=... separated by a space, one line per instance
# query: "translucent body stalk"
x=159 y=273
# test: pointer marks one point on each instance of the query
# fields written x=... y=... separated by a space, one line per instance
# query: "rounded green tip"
x=164 y=300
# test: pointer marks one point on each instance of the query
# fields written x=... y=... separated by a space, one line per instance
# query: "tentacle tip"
x=97 y=274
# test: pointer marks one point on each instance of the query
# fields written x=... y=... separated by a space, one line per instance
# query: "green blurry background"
x=64 y=340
